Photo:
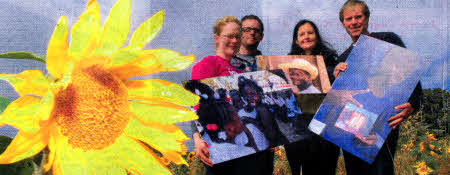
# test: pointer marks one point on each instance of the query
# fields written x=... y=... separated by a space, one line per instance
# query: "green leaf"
x=22 y=55
x=4 y=142
x=20 y=168
x=4 y=102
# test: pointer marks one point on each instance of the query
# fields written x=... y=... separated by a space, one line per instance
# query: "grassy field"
x=421 y=150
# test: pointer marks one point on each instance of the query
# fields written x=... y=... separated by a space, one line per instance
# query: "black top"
x=417 y=95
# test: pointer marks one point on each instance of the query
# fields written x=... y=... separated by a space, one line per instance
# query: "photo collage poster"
x=245 y=113
x=306 y=74
x=355 y=111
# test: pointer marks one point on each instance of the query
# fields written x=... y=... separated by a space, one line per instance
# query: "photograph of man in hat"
x=302 y=74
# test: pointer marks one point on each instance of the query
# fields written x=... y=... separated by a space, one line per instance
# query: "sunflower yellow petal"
x=70 y=160
x=177 y=133
x=73 y=162
x=175 y=157
x=100 y=168
x=28 y=82
x=162 y=112
x=158 y=139
x=171 y=60
x=116 y=28
x=26 y=112
x=23 y=146
x=138 y=159
x=56 y=168
x=105 y=167
x=104 y=161
x=85 y=32
x=148 y=64
x=57 y=49
x=90 y=2
x=147 y=30
x=59 y=143
x=54 y=145
x=129 y=63
x=51 y=153
x=124 y=56
x=64 y=81
x=161 y=89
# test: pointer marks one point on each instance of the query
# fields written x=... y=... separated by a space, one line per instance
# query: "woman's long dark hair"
x=322 y=47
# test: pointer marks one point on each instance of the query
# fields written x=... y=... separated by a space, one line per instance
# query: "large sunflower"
x=92 y=118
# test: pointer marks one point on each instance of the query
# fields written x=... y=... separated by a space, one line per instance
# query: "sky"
x=422 y=24
x=27 y=25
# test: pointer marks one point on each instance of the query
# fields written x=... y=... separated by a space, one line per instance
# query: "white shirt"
x=243 y=113
x=261 y=142
x=221 y=152
x=310 y=90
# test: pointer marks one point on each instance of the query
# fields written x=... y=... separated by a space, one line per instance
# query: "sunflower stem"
x=35 y=169
x=39 y=170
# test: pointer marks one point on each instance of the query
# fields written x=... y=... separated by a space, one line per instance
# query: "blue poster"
x=354 y=113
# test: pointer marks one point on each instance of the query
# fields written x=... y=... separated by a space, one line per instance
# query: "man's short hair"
x=223 y=21
x=255 y=18
x=352 y=3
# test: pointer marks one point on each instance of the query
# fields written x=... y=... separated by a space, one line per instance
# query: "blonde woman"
x=227 y=38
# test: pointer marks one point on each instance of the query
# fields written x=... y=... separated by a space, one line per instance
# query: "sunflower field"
x=86 y=116
x=423 y=147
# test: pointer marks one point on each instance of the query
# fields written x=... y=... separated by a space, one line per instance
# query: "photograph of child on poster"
x=246 y=113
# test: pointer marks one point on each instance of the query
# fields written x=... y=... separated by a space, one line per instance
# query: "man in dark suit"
x=354 y=16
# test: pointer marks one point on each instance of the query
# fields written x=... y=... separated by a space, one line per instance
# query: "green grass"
x=414 y=130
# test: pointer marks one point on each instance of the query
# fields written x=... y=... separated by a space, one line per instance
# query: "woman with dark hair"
x=306 y=40
x=312 y=150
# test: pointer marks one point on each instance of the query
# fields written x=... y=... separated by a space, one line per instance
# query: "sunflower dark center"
x=93 y=110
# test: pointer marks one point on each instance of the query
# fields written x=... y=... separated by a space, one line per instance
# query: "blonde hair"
x=223 y=21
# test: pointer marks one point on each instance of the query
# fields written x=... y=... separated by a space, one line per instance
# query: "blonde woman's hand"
x=201 y=149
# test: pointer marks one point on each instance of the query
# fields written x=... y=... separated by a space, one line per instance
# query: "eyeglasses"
x=232 y=36
x=248 y=29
